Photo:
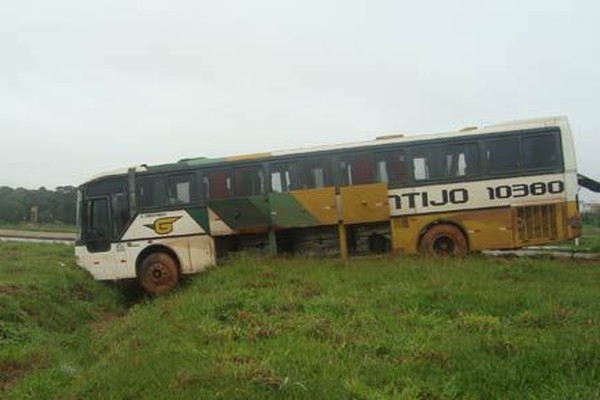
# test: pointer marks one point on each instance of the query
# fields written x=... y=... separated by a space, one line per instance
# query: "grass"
x=25 y=226
x=46 y=305
x=478 y=328
x=590 y=239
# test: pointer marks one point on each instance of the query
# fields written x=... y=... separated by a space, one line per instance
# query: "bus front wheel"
x=158 y=273
x=444 y=240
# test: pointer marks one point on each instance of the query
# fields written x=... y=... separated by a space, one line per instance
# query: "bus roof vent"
x=390 y=137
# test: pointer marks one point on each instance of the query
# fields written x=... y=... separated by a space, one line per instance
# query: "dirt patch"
x=437 y=358
x=103 y=321
x=10 y=289
x=13 y=371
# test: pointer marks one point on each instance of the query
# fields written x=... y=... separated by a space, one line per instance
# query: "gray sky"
x=92 y=86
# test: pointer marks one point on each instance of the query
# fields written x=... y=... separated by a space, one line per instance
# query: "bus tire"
x=158 y=273
x=444 y=240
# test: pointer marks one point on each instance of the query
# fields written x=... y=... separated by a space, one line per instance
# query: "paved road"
x=7 y=234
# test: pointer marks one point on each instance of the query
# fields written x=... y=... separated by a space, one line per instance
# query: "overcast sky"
x=92 y=86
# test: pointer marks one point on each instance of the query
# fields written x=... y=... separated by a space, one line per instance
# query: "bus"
x=504 y=186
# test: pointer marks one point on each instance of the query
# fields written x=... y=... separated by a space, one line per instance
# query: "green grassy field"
x=47 y=306
x=590 y=239
x=478 y=328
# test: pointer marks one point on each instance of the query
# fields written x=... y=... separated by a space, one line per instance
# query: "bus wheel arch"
x=158 y=269
x=443 y=238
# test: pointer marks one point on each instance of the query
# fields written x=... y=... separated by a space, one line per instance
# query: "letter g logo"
x=163 y=226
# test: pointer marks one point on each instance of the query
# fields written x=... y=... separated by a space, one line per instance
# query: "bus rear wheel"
x=444 y=240
x=158 y=273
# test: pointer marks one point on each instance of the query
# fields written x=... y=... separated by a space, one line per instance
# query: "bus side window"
x=460 y=160
x=206 y=187
x=143 y=192
x=541 y=151
x=284 y=177
x=151 y=191
x=503 y=154
x=219 y=184
x=391 y=167
x=180 y=189
x=356 y=170
x=316 y=174
x=277 y=182
x=249 y=181
x=423 y=165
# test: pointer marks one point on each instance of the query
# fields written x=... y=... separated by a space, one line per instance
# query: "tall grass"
x=372 y=328
x=590 y=239
x=46 y=303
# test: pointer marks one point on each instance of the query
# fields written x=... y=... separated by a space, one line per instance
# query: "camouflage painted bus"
x=500 y=187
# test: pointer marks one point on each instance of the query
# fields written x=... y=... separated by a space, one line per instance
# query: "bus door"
x=97 y=233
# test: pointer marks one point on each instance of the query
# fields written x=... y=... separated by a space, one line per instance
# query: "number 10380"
x=523 y=190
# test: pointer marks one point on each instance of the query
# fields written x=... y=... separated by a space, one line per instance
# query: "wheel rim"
x=159 y=274
x=444 y=245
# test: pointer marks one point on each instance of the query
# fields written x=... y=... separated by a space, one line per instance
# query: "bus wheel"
x=158 y=273
x=444 y=240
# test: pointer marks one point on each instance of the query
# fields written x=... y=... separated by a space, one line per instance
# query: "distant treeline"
x=53 y=206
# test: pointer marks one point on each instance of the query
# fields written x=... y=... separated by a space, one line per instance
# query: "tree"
x=54 y=206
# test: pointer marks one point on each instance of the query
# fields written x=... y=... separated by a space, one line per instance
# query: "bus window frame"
x=522 y=171
x=305 y=174
x=558 y=148
x=435 y=149
x=381 y=153
x=165 y=177
x=506 y=172
x=234 y=178
x=293 y=167
x=338 y=178
x=156 y=176
x=115 y=197
x=206 y=194
x=172 y=178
